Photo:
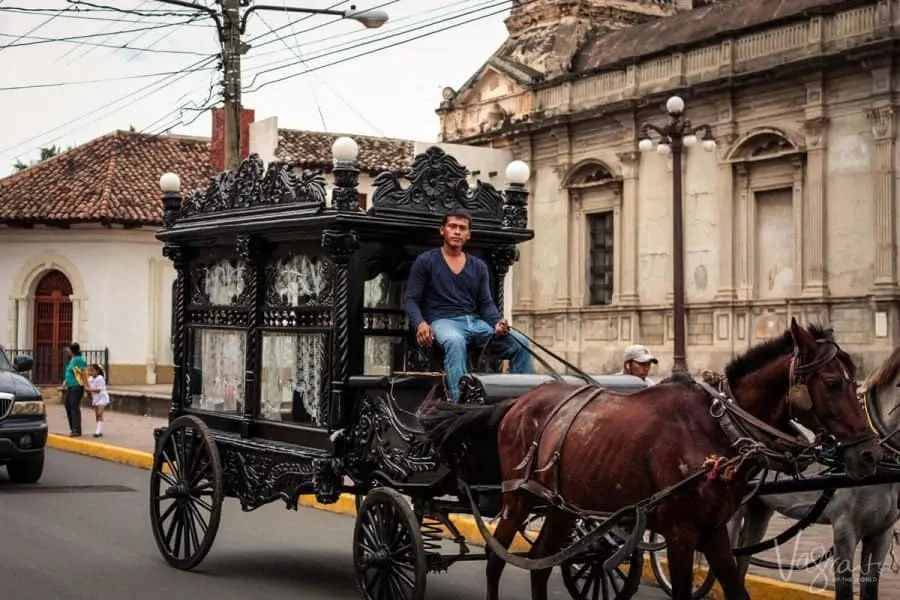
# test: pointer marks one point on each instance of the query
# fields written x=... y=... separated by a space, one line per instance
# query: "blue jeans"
x=455 y=334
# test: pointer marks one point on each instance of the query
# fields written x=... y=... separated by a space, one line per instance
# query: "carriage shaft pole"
x=826 y=482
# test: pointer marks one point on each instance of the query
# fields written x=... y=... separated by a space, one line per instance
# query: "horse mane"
x=762 y=354
x=886 y=373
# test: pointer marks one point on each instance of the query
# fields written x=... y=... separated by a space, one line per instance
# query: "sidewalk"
x=136 y=433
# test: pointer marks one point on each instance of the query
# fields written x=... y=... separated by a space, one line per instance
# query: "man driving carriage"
x=448 y=299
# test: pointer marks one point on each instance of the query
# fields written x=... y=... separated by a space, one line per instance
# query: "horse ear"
x=801 y=337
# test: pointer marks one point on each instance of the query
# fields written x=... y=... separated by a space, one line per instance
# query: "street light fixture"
x=675 y=135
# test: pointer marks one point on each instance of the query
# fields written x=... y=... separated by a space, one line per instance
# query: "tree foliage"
x=46 y=153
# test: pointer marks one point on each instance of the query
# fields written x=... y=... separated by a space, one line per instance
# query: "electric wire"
x=191 y=68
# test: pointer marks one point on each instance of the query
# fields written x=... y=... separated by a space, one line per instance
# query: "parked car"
x=23 y=421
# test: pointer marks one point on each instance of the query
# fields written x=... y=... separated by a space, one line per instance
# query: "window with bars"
x=601 y=258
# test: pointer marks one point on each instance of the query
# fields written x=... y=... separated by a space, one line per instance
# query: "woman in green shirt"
x=74 y=387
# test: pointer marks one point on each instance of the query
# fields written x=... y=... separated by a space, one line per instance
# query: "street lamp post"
x=675 y=135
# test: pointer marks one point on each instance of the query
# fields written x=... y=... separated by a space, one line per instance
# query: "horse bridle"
x=798 y=393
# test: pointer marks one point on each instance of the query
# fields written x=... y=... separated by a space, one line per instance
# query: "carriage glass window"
x=385 y=325
x=216 y=376
x=294 y=378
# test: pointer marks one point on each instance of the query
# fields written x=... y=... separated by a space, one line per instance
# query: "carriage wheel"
x=586 y=579
x=661 y=573
x=388 y=551
x=186 y=501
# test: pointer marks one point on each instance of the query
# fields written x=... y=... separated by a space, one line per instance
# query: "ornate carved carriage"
x=288 y=328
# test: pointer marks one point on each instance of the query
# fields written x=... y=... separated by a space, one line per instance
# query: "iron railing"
x=50 y=369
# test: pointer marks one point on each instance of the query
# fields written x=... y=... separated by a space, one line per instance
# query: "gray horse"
x=863 y=514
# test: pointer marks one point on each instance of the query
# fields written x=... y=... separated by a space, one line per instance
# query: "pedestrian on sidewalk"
x=73 y=387
x=99 y=395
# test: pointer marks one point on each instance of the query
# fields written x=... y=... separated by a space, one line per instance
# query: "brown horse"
x=601 y=451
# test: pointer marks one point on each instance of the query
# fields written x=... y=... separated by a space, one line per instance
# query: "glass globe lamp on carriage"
x=345 y=195
x=170 y=184
x=674 y=136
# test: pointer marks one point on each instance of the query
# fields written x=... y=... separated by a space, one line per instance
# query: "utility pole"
x=230 y=25
x=231 y=63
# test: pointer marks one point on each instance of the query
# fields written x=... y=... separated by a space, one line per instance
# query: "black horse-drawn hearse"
x=296 y=371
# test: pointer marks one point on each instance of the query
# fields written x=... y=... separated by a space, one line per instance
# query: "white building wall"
x=121 y=287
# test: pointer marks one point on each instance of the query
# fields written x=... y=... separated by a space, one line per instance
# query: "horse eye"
x=833 y=384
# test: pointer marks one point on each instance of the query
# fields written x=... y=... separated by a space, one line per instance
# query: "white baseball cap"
x=639 y=354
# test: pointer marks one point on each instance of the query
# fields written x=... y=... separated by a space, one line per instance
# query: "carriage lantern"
x=678 y=133
x=345 y=196
x=170 y=184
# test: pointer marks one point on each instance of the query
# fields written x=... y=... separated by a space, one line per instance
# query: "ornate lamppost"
x=677 y=134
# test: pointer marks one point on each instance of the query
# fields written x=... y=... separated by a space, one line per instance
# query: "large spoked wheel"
x=185 y=492
x=388 y=551
x=704 y=580
x=586 y=579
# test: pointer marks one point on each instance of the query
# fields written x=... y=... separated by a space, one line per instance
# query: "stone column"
x=882 y=118
x=725 y=199
x=563 y=215
x=743 y=279
x=628 y=293
x=576 y=245
x=797 y=200
x=814 y=217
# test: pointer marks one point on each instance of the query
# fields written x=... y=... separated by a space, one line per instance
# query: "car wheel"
x=29 y=471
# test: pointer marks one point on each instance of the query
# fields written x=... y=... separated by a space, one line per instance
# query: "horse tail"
x=449 y=426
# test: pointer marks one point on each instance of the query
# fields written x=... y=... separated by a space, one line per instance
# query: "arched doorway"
x=52 y=326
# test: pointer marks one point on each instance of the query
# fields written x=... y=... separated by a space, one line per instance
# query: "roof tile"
x=112 y=179
x=312 y=150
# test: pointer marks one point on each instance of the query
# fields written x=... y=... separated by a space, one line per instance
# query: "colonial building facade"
x=794 y=215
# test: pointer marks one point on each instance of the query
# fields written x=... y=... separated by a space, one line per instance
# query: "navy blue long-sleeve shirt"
x=434 y=292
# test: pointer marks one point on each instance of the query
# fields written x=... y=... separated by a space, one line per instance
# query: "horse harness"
x=778 y=450
x=749 y=435
x=527 y=465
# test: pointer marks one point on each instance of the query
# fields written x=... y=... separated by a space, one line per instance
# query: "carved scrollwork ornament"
x=515 y=207
x=340 y=244
x=345 y=195
x=250 y=248
x=438 y=183
x=176 y=254
x=503 y=258
x=252 y=185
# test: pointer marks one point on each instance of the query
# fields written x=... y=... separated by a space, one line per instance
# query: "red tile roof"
x=312 y=150
x=113 y=179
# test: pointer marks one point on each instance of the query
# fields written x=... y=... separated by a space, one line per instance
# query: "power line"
x=330 y=51
x=103 y=80
x=112 y=46
x=88 y=36
x=105 y=108
x=77 y=14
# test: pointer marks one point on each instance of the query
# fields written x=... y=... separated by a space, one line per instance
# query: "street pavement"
x=83 y=533
x=134 y=431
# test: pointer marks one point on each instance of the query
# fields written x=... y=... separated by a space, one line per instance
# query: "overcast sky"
x=392 y=92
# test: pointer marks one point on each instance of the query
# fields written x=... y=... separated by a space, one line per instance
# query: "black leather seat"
x=491 y=388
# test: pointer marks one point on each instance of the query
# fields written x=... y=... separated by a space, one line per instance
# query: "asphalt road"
x=68 y=538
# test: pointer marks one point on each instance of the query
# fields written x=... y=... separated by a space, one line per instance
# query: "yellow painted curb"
x=117 y=454
x=759 y=588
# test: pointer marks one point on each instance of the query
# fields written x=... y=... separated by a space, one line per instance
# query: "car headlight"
x=28 y=408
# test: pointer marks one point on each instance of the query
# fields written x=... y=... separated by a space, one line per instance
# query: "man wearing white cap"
x=638 y=361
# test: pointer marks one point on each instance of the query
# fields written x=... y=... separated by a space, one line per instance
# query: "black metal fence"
x=49 y=368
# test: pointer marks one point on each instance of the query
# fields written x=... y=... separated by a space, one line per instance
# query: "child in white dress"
x=96 y=385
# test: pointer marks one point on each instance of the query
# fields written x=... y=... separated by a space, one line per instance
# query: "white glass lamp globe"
x=664 y=149
x=170 y=183
x=518 y=172
x=709 y=145
x=690 y=140
x=675 y=105
x=645 y=145
x=345 y=149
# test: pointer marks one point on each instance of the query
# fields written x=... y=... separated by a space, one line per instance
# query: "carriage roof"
x=276 y=204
